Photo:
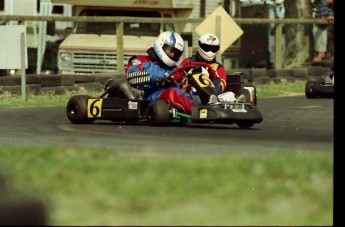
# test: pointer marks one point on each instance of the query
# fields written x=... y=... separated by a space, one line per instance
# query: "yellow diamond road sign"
x=220 y=23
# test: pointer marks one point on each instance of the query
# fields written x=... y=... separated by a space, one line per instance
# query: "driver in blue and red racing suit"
x=150 y=72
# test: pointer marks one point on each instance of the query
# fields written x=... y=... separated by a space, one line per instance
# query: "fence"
x=279 y=23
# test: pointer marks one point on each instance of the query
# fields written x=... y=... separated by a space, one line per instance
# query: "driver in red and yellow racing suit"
x=149 y=72
x=209 y=45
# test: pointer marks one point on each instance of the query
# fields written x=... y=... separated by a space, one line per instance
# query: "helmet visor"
x=208 y=48
x=173 y=53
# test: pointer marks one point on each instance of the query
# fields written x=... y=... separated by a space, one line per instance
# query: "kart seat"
x=234 y=82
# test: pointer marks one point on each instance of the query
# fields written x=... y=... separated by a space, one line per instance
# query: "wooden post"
x=218 y=33
x=278 y=46
x=120 y=54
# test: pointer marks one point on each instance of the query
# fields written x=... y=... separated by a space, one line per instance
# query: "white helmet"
x=208 y=46
x=169 y=47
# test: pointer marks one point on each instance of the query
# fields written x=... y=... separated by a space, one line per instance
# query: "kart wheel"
x=245 y=124
x=309 y=89
x=159 y=113
x=76 y=110
x=183 y=121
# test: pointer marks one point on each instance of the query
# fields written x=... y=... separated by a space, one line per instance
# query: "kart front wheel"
x=159 y=113
x=245 y=124
x=309 y=89
x=76 y=110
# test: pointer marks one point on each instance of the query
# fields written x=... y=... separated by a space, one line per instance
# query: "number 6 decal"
x=203 y=80
x=94 y=108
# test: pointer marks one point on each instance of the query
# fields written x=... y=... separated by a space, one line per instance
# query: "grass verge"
x=82 y=186
x=263 y=91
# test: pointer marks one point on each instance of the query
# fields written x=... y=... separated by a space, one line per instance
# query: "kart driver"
x=150 y=72
x=209 y=45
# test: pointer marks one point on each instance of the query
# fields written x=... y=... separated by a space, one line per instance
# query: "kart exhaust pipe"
x=118 y=88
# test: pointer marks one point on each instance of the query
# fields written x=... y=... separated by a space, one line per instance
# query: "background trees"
x=298 y=44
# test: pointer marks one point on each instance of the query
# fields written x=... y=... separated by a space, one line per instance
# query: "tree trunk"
x=299 y=38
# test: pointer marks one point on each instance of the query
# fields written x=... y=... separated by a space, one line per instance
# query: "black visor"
x=208 y=48
x=173 y=53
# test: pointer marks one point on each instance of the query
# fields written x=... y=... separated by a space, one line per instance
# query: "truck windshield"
x=141 y=29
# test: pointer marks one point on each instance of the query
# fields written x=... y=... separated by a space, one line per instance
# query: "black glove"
x=162 y=82
x=197 y=69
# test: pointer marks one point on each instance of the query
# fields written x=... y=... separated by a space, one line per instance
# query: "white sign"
x=229 y=30
x=10 y=47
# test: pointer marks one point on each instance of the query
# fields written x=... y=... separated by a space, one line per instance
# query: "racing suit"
x=155 y=86
x=218 y=77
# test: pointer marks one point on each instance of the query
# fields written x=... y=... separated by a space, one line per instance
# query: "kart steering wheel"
x=180 y=73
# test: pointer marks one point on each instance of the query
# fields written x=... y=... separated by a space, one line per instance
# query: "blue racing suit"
x=171 y=94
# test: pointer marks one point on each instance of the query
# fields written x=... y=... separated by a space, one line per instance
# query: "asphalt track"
x=290 y=124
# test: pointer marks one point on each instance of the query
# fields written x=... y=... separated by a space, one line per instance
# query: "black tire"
x=309 y=89
x=76 y=110
x=245 y=124
x=159 y=113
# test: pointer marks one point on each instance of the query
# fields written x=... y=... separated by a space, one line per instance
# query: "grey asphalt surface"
x=290 y=124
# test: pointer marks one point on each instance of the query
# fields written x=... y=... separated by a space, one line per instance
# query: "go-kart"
x=321 y=88
x=118 y=104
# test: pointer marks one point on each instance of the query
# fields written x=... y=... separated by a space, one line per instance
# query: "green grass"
x=263 y=91
x=85 y=186
x=46 y=99
x=280 y=89
x=82 y=186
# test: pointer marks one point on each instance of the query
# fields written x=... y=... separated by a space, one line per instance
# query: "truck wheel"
x=76 y=110
x=159 y=113
x=309 y=89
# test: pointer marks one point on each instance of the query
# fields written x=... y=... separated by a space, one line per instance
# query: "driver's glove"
x=162 y=82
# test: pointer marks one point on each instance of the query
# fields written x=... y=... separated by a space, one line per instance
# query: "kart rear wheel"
x=159 y=113
x=76 y=110
x=309 y=89
x=245 y=124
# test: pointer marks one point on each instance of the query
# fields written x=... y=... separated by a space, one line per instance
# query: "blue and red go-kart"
x=118 y=104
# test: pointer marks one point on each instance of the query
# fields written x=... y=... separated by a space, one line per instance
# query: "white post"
x=45 y=10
